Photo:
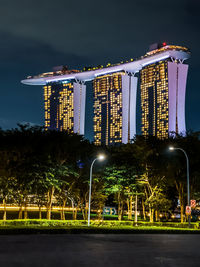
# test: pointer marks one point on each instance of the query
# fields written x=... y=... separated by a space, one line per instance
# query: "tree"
x=7 y=185
x=121 y=181
x=66 y=175
x=176 y=166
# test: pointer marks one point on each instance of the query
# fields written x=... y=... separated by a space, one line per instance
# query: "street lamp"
x=100 y=157
x=188 y=180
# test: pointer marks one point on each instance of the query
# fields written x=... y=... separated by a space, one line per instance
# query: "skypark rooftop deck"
x=168 y=51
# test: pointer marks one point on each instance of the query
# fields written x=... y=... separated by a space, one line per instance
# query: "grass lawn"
x=98 y=227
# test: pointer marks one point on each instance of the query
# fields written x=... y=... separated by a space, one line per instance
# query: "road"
x=100 y=250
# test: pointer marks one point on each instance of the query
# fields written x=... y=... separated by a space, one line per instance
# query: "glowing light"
x=101 y=157
x=88 y=75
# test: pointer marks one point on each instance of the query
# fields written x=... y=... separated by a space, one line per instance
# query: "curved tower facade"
x=163 y=77
x=163 y=88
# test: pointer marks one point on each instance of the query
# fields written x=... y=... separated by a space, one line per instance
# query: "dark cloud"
x=19 y=58
x=85 y=27
x=192 y=9
x=38 y=34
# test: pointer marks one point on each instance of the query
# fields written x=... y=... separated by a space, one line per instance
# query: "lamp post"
x=100 y=157
x=188 y=179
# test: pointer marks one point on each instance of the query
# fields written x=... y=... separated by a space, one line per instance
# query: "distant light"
x=164 y=44
x=65 y=81
x=171 y=148
x=101 y=157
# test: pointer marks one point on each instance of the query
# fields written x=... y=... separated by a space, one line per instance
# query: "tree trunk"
x=143 y=210
x=136 y=208
x=182 y=213
x=49 y=202
x=4 y=209
x=86 y=209
x=74 y=211
x=25 y=214
x=181 y=198
x=61 y=213
x=25 y=210
x=130 y=207
x=151 y=215
x=99 y=214
x=63 y=209
x=180 y=190
x=20 y=214
x=48 y=213
x=119 y=212
x=75 y=214
x=156 y=215
x=120 y=207
x=85 y=213
x=40 y=212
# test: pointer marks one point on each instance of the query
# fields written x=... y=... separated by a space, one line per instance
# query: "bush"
x=95 y=223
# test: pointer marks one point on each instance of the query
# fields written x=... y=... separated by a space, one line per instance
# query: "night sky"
x=36 y=35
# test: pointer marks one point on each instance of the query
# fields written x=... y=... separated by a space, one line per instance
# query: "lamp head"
x=171 y=148
x=101 y=157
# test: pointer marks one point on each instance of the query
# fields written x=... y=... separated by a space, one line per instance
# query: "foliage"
x=50 y=168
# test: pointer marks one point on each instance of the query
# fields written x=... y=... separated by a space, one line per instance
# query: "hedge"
x=95 y=223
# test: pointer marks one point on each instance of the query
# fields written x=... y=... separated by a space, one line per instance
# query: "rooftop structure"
x=134 y=66
x=163 y=83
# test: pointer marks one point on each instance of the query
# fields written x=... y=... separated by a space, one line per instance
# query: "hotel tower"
x=64 y=102
x=107 y=109
x=114 y=108
x=163 y=89
x=59 y=106
x=163 y=75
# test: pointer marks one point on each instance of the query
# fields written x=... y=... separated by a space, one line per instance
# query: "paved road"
x=100 y=250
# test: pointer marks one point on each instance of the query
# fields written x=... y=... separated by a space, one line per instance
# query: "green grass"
x=95 y=230
x=96 y=223
x=101 y=227
x=12 y=215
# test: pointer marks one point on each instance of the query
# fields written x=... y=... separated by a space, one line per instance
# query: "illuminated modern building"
x=59 y=108
x=64 y=104
x=107 y=109
x=163 y=87
x=162 y=81
x=112 y=109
